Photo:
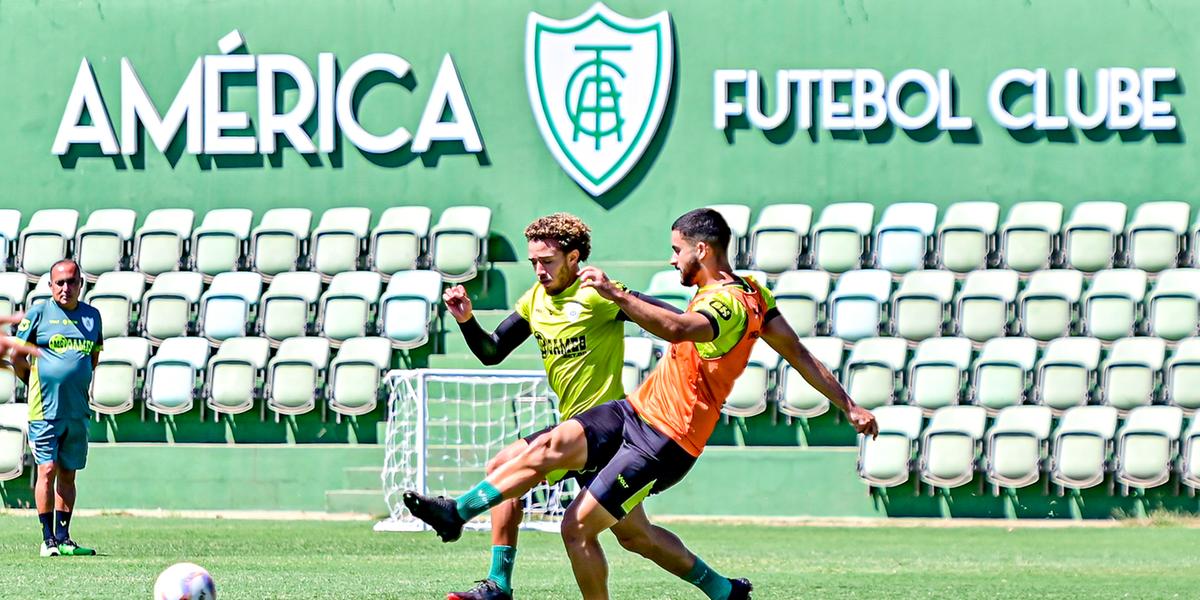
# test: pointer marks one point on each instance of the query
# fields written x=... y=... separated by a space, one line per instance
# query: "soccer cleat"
x=68 y=547
x=741 y=589
x=49 y=548
x=440 y=513
x=485 y=589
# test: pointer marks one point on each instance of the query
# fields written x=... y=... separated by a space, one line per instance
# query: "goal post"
x=443 y=425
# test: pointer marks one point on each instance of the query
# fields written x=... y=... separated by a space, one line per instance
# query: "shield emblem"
x=88 y=323
x=598 y=85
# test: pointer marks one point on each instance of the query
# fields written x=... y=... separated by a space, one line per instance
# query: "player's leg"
x=72 y=456
x=638 y=535
x=585 y=520
x=45 y=449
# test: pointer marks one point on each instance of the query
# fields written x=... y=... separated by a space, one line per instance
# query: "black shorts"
x=646 y=462
x=603 y=430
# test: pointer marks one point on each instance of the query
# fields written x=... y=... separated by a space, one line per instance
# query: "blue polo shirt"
x=60 y=377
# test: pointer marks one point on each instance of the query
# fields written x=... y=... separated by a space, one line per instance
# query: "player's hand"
x=595 y=278
x=864 y=422
x=458 y=303
x=12 y=345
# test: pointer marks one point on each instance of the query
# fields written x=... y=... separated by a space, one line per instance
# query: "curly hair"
x=565 y=229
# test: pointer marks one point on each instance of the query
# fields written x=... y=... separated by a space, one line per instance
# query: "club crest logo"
x=88 y=323
x=574 y=310
x=598 y=86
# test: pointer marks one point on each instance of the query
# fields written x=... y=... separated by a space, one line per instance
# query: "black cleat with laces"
x=440 y=513
x=485 y=589
x=741 y=589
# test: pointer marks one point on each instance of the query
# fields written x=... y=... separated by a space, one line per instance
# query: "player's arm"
x=621 y=316
x=667 y=324
x=23 y=343
x=99 y=347
x=782 y=338
x=489 y=348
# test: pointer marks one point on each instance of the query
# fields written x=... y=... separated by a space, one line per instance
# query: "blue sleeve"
x=27 y=329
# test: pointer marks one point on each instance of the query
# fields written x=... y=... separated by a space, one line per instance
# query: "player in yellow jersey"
x=581 y=337
x=668 y=420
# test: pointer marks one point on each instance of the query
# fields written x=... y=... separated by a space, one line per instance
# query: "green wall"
x=691 y=163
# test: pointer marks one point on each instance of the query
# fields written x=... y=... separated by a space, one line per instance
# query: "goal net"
x=444 y=425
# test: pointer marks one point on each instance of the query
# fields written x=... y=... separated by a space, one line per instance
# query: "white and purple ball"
x=185 y=581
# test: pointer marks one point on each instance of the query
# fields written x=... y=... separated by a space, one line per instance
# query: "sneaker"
x=741 y=589
x=440 y=513
x=485 y=589
x=68 y=547
x=49 y=548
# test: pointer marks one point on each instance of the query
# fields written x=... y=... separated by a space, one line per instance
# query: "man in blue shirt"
x=68 y=334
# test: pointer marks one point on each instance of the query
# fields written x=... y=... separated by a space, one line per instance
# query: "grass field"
x=302 y=559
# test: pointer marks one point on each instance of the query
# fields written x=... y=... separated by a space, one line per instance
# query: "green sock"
x=478 y=500
x=713 y=584
x=503 y=558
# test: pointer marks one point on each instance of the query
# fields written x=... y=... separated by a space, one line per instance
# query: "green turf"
x=258 y=559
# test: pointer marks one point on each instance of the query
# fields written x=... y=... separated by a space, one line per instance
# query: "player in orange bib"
x=668 y=420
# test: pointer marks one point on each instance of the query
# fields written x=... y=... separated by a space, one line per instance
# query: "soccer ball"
x=185 y=581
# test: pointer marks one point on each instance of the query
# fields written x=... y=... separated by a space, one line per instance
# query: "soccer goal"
x=443 y=426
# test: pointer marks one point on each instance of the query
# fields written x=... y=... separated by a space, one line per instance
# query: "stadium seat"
x=800 y=297
x=874 y=371
x=951 y=445
x=356 y=374
x=399 y=241
x=1082 y=445
x=665 y=286
x=1094 y=237
x=102 y=244
x=1049 y=304
x=338 y=240
x=46 y=239
x=886 y=460
x=41 y=291
x=921 y=307
x=967 y=236
x=1173 y=308
x=1189 y=459
x=13 y=287
x=1157 y=235
x=1112 y=306
x=858 y=304
x=162 y=240
x=234 y=374
x=408 y=306
x=168 y=307
x=779 y=237
x=796 y=397
x=1029 y=237
x=1131 y=373
x=459 y=242
x=1067 y=372
x=753 y=387
x=279 y=241
x=10 y=226
x=841 y=237
x=1147 y=446
x=229 y=304
x=116 y=380
x=938 y=373
x=295 y=375
x=14 y=425
x=1182 y=377
x=985 y=304
x=116 y=294
x=639 y=357
x=219 y=243
x=1016 y=446
x=347 y=306
x=1004 y=373
x=737 y=216
x=175 y=375
x=904 y=235
x=289 y=305
x=9 y=386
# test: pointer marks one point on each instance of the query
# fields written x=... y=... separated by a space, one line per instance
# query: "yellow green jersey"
x=582 y=341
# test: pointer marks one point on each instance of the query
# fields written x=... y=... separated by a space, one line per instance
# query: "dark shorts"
x=603 y=430
x=645 y=462
x=63 y=442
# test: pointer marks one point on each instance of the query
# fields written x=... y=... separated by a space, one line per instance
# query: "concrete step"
x=362 y=478
x=368 y=502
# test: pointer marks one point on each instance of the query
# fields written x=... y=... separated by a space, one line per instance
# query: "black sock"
x=47 y=520
x=63 y=531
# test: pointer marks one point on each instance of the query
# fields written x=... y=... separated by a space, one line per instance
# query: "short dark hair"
x=68 y=261
x=704 y=225
x=565 y=229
